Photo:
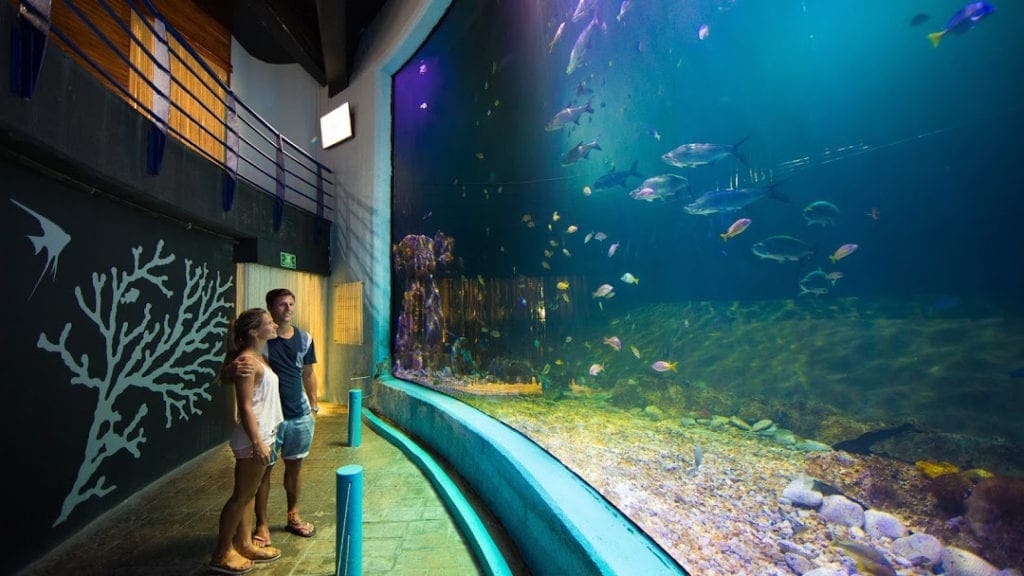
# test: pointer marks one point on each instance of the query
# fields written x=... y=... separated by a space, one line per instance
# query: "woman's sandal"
x=233 y=570
x=260 y=541
x=262 y=555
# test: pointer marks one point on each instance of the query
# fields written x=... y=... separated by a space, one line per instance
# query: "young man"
x=291 y=355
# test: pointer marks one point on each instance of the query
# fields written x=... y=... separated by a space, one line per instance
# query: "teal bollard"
x=348 y=547
x=355 y=421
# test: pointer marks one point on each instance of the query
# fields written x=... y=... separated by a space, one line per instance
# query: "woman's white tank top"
x=266 y=404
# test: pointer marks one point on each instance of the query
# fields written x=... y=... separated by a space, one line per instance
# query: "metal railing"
x=252 y=148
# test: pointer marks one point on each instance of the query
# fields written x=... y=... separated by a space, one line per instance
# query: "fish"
x=869 y=561
x=526 y=218
x=582 y=7
x=732 y=199
x=547 y=368
x=612 y=249
x=588 y=237
x=566 y=253
x=565 y=298
x=659 y=187
x=736 y=229
x=635 y=351
x=553 y=243
x=653 y=132
x=52 y=240
x=596 y=369
x=703 y=32
x=555 y=217
x=842 y=252
x=563 y=285
x=579 y=152
x=919 y=18
x=963 y=20
x=582 y=44
x=548 y=254
x=545 y=265
x=572 y=229
x=834 y=277
x=782 y=249
x=570 y=114
x=600 y=236
x=874 y=214
x=629 y=278
x=663 y=366
x=603 y=290
x=558 y=36
x=623 y=8
x=568 y=339
x=614 y=342
x=700 y=154
x=816 y=283
x=616 y=178
x=587 y=191
x=821 y=213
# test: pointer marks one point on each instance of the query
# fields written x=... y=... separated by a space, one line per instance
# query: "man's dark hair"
x=276 y=293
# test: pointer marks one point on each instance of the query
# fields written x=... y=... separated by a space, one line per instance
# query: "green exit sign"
x=287 y=260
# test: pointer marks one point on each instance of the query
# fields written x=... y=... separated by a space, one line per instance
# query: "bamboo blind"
x=348 y=313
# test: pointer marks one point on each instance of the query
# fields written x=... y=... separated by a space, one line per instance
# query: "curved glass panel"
x=750 y=268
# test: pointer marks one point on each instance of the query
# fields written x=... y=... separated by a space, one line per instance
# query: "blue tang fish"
x=963 y=20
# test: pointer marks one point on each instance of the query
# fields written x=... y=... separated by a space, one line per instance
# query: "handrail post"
x=28 y=45
x=230 y=151
x=279 y=201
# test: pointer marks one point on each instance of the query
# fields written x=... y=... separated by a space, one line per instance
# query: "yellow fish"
x=547 y=368
x=635 y=351
x=563 y=285
x=559 y=362
x=555 y=217
x=548 y=253
x=571 y=229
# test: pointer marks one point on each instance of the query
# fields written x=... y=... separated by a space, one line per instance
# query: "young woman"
x=259 y=413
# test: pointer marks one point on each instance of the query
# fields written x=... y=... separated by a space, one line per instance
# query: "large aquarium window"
x=751 y=269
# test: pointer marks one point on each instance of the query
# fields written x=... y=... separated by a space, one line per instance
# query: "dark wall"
x=115 y=328
x=119 y=285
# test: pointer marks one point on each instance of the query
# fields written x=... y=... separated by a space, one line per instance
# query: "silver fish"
x=582 y=7
x=821 y=213
x=659 y=187
x=816 y=283
x=579 y=152
x=567 y=115
x=731 y=199
x=579 y=49
x=782 y=249
x=700 y=154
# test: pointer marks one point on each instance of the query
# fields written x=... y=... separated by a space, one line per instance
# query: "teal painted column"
x=348 y=547
x=355 y=423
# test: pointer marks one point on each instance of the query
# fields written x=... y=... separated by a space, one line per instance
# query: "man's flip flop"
x=304 y=529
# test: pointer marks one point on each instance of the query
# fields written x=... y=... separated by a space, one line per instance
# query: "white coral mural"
x=167 y=356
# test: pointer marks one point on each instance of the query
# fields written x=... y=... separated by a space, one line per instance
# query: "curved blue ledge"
x=560 y=524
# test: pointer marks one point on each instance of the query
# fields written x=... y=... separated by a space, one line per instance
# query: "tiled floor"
x=170 y=527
